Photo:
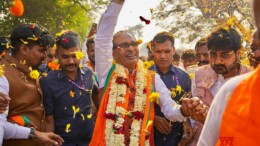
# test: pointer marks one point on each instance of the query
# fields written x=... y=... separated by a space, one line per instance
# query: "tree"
x=55 y=15
x=136 y=30
x=190 y=20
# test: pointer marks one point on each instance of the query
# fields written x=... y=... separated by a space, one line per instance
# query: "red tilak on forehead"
x=65 y=40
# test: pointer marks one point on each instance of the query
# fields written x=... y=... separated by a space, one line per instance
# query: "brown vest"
x=26 y=98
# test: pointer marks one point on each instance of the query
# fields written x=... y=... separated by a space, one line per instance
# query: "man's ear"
x=239 y=52
x=114 y=54
x=23 y=49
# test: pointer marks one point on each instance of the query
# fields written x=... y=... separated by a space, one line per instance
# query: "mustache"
x=203 y=62
x=68 y=65
x=219 y=68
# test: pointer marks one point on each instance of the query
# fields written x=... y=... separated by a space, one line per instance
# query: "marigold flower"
x=34 y=74
x=173 y=94
x=139 y=41
x=154 y=97
x=54 y=65
x=146 y=64
x=79 y=55
x=178 y=89
x=191 y=75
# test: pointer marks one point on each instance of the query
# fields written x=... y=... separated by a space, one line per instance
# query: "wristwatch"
x=32 y=132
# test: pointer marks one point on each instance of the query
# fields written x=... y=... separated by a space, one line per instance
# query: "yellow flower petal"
x=173 y=94
x=150 y=122
x=1 y=70
x=151 y=63
x=83 y=117
x=67 y=130
x=72 y=94
x=44 y=74
x=24 y=42
x=139 y=41
x=178 y=89
x=191 y=75
x=60 y=33
x=89 y=116
x=75 y=110
x=114 y=61
x=146 y=65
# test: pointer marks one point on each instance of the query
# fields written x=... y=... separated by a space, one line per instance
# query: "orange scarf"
x=241 y=121
x=89 y=65
x=98 y=137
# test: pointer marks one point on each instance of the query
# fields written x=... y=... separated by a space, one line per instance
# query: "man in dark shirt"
x=176 y=80
x=67 y=94
x=50 y=57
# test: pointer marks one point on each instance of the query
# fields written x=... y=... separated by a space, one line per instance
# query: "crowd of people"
x=50 y=94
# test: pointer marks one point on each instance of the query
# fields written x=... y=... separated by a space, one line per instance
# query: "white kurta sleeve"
x=169 y=107
x=103 y=42
x=4 y=88
x=14 y=131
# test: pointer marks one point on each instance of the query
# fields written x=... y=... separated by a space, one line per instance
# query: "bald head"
x=120 y=36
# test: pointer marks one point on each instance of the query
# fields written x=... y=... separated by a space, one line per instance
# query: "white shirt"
x=4 y=88
x=210 y=132
x=9 y=130
x=104 y=58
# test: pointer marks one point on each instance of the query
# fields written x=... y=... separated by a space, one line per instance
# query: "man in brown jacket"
x=29 y=43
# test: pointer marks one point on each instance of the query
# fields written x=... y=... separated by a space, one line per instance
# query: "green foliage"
x=190 y=20
x=55 y=15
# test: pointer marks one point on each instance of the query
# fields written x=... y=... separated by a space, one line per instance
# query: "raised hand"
x=93 y=30
x=118 y=1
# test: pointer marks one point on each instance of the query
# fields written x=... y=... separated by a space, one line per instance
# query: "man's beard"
x=204 y=62
x=254 y=61
x=222 y=69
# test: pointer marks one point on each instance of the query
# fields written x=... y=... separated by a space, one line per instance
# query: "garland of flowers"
x=117 y=106
x=140 y=98
x=114 y=114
